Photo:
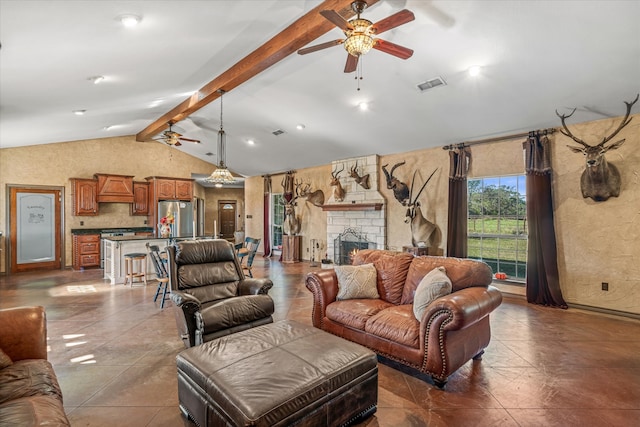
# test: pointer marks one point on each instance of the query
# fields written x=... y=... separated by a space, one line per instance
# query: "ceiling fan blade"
x=352 y=64
x=320 y=46
x=393 y=21
x=392 y=49
x=336 y=19
x=190 y=140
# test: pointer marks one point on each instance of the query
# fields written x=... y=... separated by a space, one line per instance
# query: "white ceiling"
x=537 y=56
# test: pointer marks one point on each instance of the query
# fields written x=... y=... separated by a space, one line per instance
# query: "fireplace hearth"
x=348 y=243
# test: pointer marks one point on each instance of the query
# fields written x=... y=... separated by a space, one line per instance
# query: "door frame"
x=9 y=221
x=221 y=203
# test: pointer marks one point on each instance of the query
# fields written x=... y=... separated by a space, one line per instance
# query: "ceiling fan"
x=360 y=34
x=170 y=137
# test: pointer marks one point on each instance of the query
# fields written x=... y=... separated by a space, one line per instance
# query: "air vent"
x=430 y=84
x=208 y=154
x=277 y=132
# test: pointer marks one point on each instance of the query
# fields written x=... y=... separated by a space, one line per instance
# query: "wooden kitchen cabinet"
x=184 y=190
x=115 y=188
x=84 y=194
x=86 y=251
x=165 y=189
x=140 y=205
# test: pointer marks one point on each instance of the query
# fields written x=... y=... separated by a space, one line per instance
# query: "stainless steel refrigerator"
x=182 y=214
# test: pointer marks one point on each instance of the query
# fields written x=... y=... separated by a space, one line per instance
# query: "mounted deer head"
x=338 y=191
x=400 y=189
x=600 y=180
x=316 y=198
x=363 y=180
x=291 y=225
x=423 y=231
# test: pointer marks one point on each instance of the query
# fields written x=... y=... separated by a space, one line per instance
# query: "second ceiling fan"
x=360 y=34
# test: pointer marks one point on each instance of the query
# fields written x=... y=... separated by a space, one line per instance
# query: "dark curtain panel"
x=543 y=286
x=459 y=160
x=266 y=240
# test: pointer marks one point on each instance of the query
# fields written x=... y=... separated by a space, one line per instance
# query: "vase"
x=165 y=231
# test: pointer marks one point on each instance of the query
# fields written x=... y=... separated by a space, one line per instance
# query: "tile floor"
x=114 y=351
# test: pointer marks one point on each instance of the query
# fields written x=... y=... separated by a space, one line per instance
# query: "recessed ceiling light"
x=129 y=20
x=107 y=127
x=474 y=70
x=251 y=142
x=363 y=106
x=96 y=79
x=79 y=112
x=300 y=126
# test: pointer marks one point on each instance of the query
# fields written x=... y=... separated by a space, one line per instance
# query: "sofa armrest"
x=466 y=306
x=23 y=333
x=323 y=284
x=254 y=286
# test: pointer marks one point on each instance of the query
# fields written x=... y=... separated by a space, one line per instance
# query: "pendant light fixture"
x=221 y=175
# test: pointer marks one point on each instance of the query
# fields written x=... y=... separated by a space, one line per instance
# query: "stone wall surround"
x=370 y=222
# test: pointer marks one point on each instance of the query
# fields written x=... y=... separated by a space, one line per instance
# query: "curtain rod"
x=269 y=175
x=498 y=138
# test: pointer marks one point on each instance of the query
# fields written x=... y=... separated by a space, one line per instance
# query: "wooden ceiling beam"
x=303 y=31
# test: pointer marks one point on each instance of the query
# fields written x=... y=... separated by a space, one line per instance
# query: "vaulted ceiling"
x=536 y=57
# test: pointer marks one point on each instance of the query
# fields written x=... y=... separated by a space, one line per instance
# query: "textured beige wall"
x=597 y=242
x=53 y=165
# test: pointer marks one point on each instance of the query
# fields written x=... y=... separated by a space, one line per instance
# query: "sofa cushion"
x=434 y=285
x=356 y=281
x=30 y=377
x=355 y=312
x=396 y=323
x=33 y=411
x=5 y=360
x=392 y=270
x=462 y=272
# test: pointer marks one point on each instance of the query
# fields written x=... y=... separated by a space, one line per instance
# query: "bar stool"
x=130 y=274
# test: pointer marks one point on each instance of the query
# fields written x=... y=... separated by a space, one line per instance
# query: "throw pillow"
x=357 y=281
x=5 y=360
x=432 y=286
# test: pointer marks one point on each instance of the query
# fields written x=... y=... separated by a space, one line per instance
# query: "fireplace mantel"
x=353 y=207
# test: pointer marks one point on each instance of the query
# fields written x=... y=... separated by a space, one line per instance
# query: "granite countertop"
x=127 y=238
x=111 y=230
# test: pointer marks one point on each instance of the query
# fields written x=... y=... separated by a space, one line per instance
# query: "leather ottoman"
x=283 y=373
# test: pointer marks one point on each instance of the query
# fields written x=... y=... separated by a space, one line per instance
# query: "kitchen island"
x=116 y=247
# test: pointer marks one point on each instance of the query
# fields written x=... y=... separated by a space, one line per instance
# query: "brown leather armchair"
x=212 y=296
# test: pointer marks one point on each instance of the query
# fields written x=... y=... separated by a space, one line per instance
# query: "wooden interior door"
x=227 y=219
x=35 y=224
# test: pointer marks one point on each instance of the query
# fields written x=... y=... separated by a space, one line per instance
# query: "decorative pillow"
x=5 y=360
x=357 y=281
x=432 y=286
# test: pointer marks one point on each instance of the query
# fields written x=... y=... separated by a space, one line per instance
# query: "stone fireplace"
x=361 y=213
x=347 y=244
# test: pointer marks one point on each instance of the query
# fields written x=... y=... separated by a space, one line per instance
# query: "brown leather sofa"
x=29 y=391
x=453 y=329
x=211 y=294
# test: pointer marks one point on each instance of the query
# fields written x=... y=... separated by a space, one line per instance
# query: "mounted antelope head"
x=600 y=180
x=423 y=231
x=400 y=189
x=338 y=191
x=316 y=198
x=363 y=180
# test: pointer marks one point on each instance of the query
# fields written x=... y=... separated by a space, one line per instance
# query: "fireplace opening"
x=347 y=244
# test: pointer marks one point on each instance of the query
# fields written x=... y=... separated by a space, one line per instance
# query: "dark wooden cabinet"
x=86 y=251
x=140 y=205
x=167 y=188
x=84 y=195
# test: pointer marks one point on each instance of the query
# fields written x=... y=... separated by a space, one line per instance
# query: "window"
x=497 y=224
x=277 y=218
